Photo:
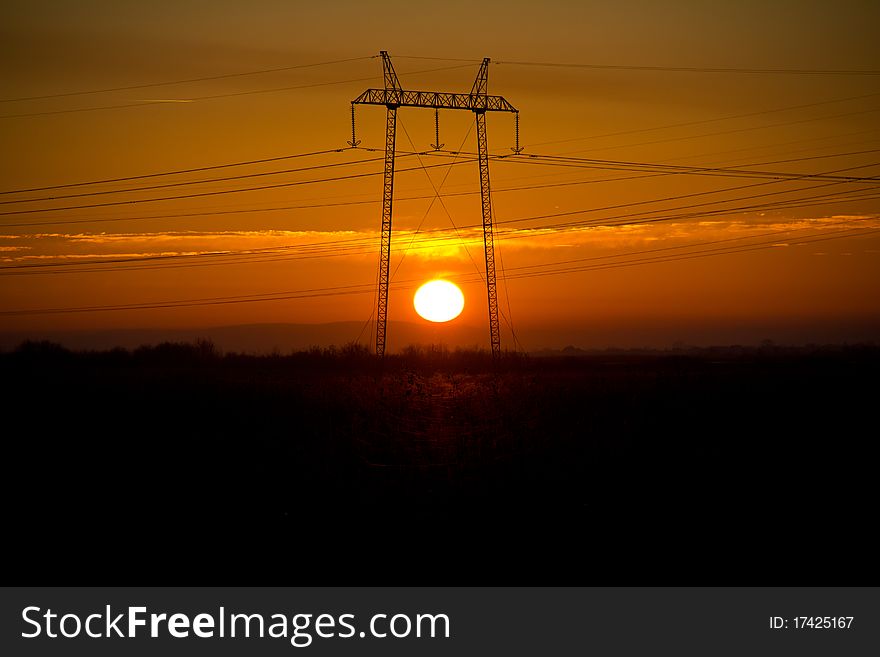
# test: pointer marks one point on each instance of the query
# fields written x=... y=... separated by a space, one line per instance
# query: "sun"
x=439 y=301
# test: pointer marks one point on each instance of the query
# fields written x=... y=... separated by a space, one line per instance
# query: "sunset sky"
x=621 y=244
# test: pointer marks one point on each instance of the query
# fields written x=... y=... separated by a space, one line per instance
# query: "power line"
x=192 y=182
x=264 y=160
x=323 y=152
x=675 y=169
x=354 y=289
x=788 y=160
x=702 y=155
x=678 y=197
x=692 y=245
x=764 y=146
x=212 y=193
x=344 y=203
x=212 y=96
x=337 y=247
x=698 y=69
x=331 y=249
x=174 y=172
x=212 y=213
x=689 y=195
x=729 y=117
x=662 y=200
x=669 y=69
x=553 y=160
x=184 y=101
x=297 y=294
x=626 y=218
x=726 y=132
x=187 y=81
x=822 y=237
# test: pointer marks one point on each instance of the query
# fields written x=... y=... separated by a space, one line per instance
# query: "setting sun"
x=439 y=301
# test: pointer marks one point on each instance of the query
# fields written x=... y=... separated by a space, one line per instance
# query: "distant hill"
x=600 y=334
x=256 y=338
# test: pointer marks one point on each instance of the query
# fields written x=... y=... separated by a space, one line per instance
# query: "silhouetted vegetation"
x=572 y=467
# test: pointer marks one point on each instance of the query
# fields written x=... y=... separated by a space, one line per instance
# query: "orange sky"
x=650 y=283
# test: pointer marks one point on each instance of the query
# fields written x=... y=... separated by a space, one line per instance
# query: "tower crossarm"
x=434 y=99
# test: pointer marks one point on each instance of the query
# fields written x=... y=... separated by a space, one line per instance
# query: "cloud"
x=99 y=256
x=426 y=245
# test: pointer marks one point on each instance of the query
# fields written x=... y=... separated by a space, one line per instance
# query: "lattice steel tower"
x=477 y=101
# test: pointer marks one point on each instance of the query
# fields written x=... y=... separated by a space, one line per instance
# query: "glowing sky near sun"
x=639 y=278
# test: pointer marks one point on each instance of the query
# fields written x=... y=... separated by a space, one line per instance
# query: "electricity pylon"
x=477 y=101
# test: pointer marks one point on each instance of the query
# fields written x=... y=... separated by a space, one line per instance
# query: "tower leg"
x=488 y=238
x=385 y=249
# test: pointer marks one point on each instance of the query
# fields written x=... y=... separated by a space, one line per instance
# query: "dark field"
x=728 y=466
